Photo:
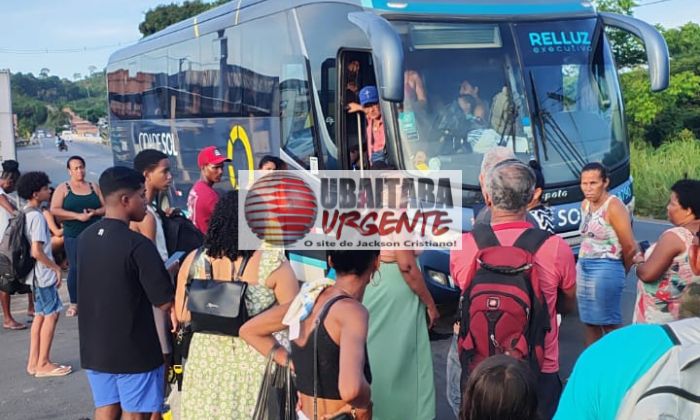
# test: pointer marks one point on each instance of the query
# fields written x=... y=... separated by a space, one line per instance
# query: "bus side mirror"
x=387 y=53
x=654 y=43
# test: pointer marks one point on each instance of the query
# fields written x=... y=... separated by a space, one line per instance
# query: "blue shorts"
x=135 y=392
x=46 y=301
x=599 y=284
x=379 y=156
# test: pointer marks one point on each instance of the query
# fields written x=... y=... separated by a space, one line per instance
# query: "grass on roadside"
x=655 y=170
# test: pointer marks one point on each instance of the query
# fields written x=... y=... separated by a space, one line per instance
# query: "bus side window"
x=328 y=96
x=295 y=111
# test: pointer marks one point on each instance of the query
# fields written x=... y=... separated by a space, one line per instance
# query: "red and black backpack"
x=503 y=310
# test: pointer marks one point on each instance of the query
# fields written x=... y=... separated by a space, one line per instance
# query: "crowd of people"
x=358 y=342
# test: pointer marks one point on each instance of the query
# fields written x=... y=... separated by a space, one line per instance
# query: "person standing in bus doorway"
x=375 y=136
x=202 y=197
x=78 y=204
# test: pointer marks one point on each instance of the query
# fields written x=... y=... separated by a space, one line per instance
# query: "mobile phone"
x=175 y=258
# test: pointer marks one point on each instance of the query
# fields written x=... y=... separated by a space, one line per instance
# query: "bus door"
x=356 y=72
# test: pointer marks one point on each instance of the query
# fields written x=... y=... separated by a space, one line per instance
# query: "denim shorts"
x=599 y=285
x=135 y=392
x=379 y=156
x=47 y=301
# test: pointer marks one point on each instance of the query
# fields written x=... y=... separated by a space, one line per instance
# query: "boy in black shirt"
x=120 y=277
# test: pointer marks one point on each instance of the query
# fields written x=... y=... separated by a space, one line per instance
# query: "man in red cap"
x=202 y=197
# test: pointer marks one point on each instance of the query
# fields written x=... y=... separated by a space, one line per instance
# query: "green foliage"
x=38 y=101
x=628 y=49
x=684 y=47
x=30 y=114
x=655 y=170
x=654 y=116
x=167 y=14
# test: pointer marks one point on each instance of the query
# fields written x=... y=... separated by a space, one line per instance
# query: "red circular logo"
x=280 y=208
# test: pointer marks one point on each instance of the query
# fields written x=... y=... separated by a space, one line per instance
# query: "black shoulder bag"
x=216 y=306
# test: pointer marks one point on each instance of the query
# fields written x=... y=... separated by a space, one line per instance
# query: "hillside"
x=39 y=101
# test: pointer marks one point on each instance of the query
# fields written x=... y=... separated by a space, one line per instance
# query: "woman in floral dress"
x=664 y=271
x=606 y=253
x=223 y=374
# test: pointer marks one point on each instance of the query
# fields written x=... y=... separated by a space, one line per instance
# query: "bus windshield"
x=548 y=90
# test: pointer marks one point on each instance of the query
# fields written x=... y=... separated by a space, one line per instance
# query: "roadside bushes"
x=655 y=170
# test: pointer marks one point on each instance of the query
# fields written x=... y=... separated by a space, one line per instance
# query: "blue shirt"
x=608 y=369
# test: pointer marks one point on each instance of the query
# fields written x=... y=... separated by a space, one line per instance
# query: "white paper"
x=294 y=331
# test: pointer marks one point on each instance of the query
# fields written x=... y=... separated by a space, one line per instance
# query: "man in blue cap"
x=376 y=141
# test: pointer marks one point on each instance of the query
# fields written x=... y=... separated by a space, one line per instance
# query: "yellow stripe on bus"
x=238 y=133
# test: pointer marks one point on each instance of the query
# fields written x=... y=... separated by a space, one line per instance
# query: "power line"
x=651 y=2
x=45 y=51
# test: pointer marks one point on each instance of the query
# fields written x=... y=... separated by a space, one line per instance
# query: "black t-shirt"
x=120 y=278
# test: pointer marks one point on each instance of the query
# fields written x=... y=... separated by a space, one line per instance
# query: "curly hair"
x=30 y=183
x=221 y=239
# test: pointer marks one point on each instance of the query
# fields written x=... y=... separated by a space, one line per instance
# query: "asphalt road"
x=69 y=398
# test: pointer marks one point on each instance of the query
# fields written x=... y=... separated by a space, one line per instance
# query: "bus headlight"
x=440 y=278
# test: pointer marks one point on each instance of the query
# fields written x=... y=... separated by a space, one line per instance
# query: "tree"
x=628 y=49
x=684 y=47
x=44 y=72
x=76 y=76
x=165 y=15
x=92 y=70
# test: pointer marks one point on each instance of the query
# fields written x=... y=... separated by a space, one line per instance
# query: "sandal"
x=15 y=327
x=72 y=311
x=58 y=371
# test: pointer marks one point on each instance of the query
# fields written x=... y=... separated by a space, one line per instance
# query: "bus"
x=259 y=77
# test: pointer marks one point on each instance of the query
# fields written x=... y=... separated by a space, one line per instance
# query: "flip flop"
x=15 y=327
x=59 y=371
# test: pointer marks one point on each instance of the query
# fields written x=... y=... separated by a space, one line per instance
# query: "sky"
x=69 y=36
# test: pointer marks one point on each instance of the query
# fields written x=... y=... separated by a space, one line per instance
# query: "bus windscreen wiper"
x=561 y=143
x=538 y=114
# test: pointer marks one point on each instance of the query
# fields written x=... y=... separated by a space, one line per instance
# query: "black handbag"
x=216 y=306
x=277 y=398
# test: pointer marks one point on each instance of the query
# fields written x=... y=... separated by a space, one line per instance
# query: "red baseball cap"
x=211 y=156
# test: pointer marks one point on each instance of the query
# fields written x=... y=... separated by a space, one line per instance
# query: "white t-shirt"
x=37 y=230
x=160 y=234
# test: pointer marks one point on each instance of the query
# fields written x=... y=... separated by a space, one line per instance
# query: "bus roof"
x=236 y=12
x=482 y=7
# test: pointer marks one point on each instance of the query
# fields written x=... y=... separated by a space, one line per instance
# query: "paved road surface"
x=69 y=398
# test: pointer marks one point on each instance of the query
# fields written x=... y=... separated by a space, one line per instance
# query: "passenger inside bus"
x=375 y=133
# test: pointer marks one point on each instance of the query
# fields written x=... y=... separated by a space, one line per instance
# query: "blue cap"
x=369 y=95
